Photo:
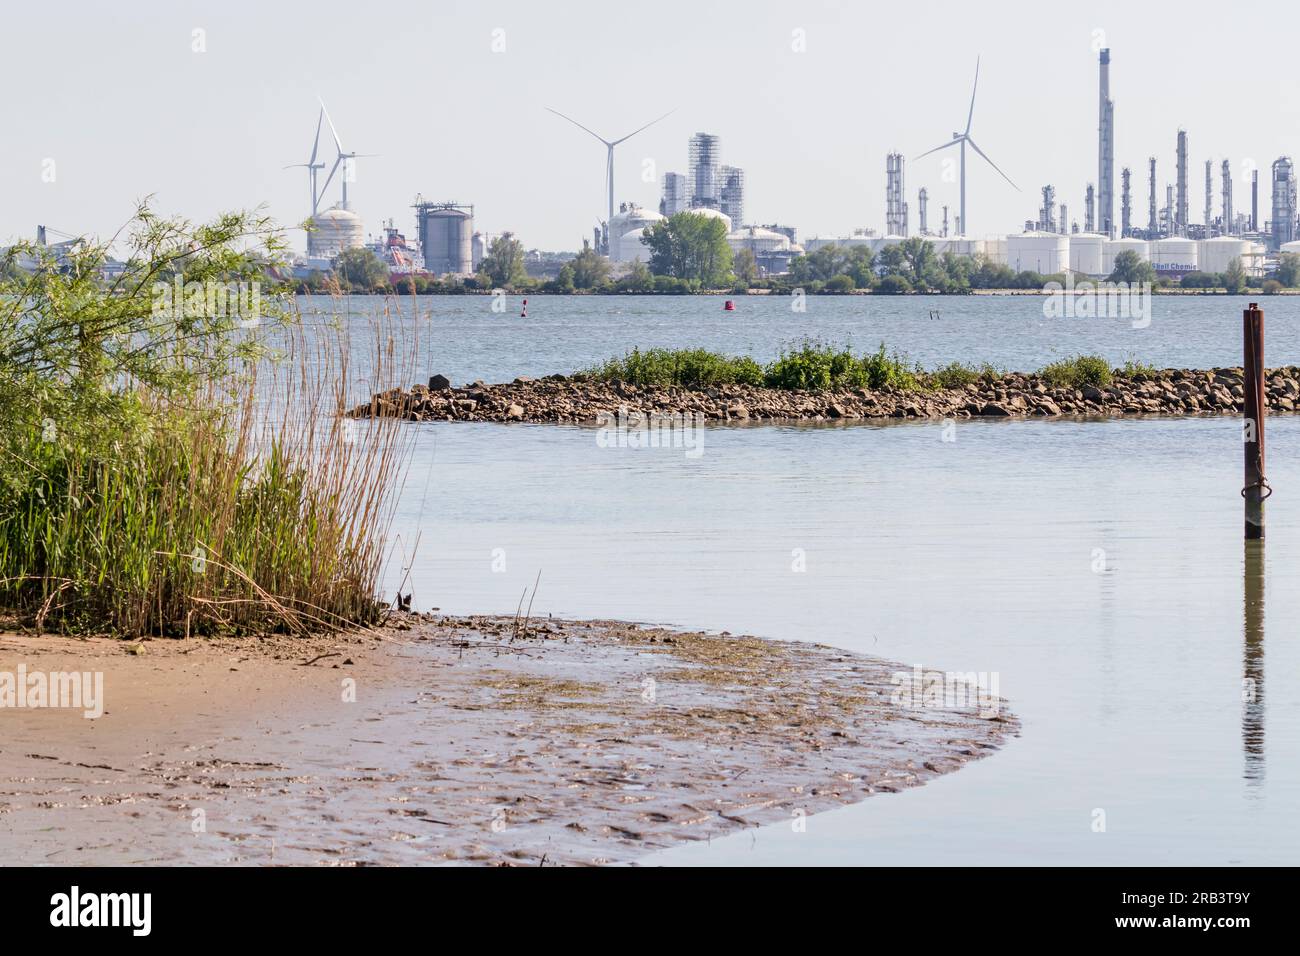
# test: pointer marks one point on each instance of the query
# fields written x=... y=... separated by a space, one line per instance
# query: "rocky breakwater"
x=579 y=399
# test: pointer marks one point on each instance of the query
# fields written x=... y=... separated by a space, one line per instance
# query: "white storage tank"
x=757 y=239
x=629 y=221
x=1086 y=253
x=1215 y=254
x=1293 y=247
x=996 y=250
x=1111 y=248
x=334 y=230
x=965 y=246
x=1042 y=252
x=1174 y=254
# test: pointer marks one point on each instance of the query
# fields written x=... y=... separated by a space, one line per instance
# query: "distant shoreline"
x=724 y=294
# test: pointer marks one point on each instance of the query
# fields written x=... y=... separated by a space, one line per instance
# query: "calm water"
x=1097 y=568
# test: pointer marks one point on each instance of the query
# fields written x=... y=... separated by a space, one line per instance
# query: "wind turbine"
x=963 y=139
x=312 y=166
x=609 y=146
x=343 y=158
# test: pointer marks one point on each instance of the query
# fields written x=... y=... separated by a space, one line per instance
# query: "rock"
x=835 y=410
x=522 y=380
x=439 y=383
x=738 y=411
x=515 y=412
x=466 y=404
x=1092 y=393
x=995 y=410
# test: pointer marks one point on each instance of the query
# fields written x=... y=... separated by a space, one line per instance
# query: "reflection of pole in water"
x=1252 y=684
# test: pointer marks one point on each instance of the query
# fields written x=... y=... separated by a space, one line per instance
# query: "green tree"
x=503 y=266
x=745 y=266
x=690 y=246
x=918 y=254
x=1288 y=269
x=1234 y=278
x=361 y=269
x=1132 y=268
x=590 y=268
x=638 y=278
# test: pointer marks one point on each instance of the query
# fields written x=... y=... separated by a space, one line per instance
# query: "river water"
x=1094 y=570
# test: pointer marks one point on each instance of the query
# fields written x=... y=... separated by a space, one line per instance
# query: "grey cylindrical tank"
x=447 y=238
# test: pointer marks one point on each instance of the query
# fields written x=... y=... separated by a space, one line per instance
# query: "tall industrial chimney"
x=895 y=207
x=1126 y=201
x=1229 y=227
x=1065 y=220
x=1106 y=152
x=1209 y=197
x=1153 y=221
x=922 y=201
x=1089 y=223
x=1180 y=219
x=1254 y=200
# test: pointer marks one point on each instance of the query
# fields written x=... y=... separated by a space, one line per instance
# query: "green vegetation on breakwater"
x=816 y=366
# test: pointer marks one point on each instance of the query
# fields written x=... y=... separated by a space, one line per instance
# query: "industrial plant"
x=1052 y=241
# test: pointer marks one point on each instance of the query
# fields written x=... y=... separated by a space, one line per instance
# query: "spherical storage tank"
x=447 y=236
x=1041 y=252
x=1174 y=255
x=757 y=239
x=1110 y=249
x=627 y=226
x=1086 y=253
x=1215 y=254
x=334 y=230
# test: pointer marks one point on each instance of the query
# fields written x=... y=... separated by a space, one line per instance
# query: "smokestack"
x=1126 y=201
x=895 y=207
x=922 y=201
x=1180 y=220
x=1089 y=223
x=1106 y=152
x=1065 y=220
x=1254 y=200
x=945 y=222
x=1153 y=222
x=1209 y=196
x=1171 y=215
x=1229 y=227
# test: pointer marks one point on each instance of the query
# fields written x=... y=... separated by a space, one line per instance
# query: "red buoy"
x=729 y=306
x=524 y=314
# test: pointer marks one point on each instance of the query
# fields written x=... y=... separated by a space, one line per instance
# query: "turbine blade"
x=330 y=178
x=645 y=127
x=971 y=115
x=316 y=142
x=951 y=142
x=579 y=125
x=338 y=145
x=991 y=163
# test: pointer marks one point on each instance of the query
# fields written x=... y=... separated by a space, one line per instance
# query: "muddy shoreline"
x=466 y=741
x=578 y=400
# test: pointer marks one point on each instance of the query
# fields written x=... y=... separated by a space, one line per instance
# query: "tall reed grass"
x=258 y=508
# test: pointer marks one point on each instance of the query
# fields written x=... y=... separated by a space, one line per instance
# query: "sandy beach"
x=456 y=740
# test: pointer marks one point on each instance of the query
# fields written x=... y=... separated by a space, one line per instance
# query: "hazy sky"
x=115 y=96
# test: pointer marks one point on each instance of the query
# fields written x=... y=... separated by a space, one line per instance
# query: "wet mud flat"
x=457 y=740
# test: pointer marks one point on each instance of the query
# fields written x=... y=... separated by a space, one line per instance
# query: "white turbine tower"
x=312 y=166
x=609 y=146
x=963 y=139
x=343 y=159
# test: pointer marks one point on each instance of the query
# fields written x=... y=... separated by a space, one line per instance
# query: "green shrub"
x=688 y=368
x=1078 y=371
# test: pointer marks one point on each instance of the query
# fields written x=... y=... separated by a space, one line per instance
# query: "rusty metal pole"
x=1256 y=488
